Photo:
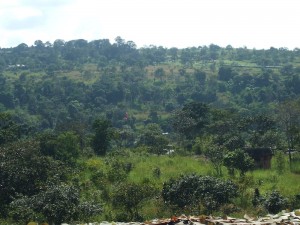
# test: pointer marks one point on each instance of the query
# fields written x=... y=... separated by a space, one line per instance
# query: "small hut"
x=261 y=156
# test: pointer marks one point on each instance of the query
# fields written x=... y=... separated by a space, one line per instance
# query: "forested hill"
x=49 y=84
x=93 y=131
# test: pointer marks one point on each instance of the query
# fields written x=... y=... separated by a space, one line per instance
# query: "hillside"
x=111 y=131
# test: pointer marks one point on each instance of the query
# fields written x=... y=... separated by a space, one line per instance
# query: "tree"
x=159 y=73
x=261 y=130
x=239 y=160
x=153 y=138
x=289 y=118
x=64 y=147
x=191 y=119
x=102 y=137
x=9 y=130
x=193 y=191
x=57 y=204
x=24 y=171
x=67 y=147
x=275 y=202
x=216 y=156
x=200 y=76
x=225 y=73
x=130 y=196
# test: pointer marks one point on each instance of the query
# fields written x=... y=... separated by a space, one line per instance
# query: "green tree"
x=239 y=160
x=67 y=147
x=192 y=191
x=159 y=73
x=200 y=76
x=130 y=196
x=275 y=202
x=9 y=130
x=191 y=119
x=57 y=204
x=64 y=147
x=102 y=136
x=153 y=138
x=24 y=171
x=280 y=162
x=289 y=118
x=216 y=156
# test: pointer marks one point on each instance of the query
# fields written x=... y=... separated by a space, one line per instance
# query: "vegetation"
x=106 y=131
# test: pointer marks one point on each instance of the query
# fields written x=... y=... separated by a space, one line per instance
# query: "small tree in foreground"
x=194 y=191
x=129 y=197
x=275 y=202
x=57 y=204
x=239 y=160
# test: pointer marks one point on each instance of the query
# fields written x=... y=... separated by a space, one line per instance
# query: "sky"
x=259 y=24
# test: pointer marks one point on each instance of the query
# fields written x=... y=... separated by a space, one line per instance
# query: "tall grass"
x=169 y=166
x=158 y=169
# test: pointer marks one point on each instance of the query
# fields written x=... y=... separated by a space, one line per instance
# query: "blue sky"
x=169 y=23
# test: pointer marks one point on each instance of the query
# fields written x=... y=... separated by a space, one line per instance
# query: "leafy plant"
x=275 y=202
x=129 y=197
x=193 y=191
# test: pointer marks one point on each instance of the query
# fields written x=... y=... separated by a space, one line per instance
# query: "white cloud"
x=180 y=23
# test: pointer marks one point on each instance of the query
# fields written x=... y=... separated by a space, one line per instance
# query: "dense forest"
x=108 y=131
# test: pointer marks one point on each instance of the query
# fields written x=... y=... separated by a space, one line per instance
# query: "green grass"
x=287 y=183
x=170 y=167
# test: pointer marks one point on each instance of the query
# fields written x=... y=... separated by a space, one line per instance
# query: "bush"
x=192 y=191
x=275 y=202
x=129 y=196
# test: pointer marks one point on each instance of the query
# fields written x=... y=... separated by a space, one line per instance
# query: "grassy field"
x=159 y=169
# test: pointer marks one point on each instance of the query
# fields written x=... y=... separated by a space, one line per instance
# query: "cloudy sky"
x=170 y=23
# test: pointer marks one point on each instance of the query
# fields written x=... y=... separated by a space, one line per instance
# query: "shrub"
x=192 y=191
x=129 y=196
x=275 y=202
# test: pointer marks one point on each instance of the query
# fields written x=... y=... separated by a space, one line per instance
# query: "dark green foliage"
x=153 y=138
x=275 y=202
x=23 y=170
x=64 y=147
x=118 y=170
x=191 y=119
x=102 y=136
x=225 y=73
x=258 y=199
x=193 y=191
x=216 y=155
x=224 y=99
x=57 y=204
x=200 y=76
x=295 y=202
x=9 y=130
x=238 y=160
x=130 y=196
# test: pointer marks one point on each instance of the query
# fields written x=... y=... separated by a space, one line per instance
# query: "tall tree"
x=102 y=136
x=289 y=117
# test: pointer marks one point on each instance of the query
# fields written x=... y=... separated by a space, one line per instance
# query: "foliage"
x=102 y=136
x=193 y=191
x=152 y=136
x=64 y=147
x=57 y=204
x=224 y=99
x=275 y=202
x=280 y=162
x=129 y=197
x=239 y=160
x=216 y=155
x=9 y=130
x=24 y=171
